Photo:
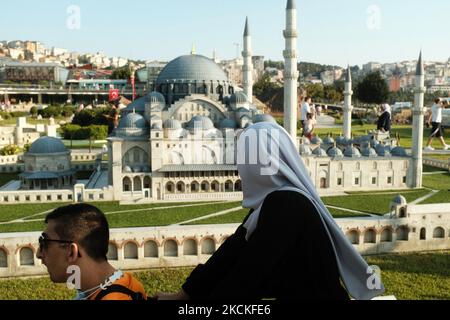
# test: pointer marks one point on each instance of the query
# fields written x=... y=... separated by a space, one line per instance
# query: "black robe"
x=384 y=122
x=289 y=256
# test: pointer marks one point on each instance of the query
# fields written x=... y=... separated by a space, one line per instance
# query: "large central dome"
x=192 y=68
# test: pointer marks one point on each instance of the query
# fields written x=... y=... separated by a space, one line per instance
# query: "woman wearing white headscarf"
x=384 y=121
x=289 y=247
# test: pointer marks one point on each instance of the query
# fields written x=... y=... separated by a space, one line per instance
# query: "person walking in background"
x=435 y=121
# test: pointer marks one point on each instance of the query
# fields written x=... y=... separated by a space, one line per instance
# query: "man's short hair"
x=85 y=225
x=437 y=101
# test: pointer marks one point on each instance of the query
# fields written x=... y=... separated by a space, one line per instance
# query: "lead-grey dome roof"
x=156 y=98
x=352 y=152
x=199 y=122
x=239 y=97
x=264 y=118
x=172 y=124
x=320 y=152
x=133 y=120
x=191 y=68
x=335 y=152
x=137 y=105
x=46 y=145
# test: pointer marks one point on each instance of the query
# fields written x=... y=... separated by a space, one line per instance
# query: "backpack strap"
x=115 y=288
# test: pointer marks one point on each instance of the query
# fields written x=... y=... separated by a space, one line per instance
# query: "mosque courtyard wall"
x=423 y=228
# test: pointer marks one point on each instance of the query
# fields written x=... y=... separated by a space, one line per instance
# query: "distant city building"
x=33 y=72
x=371 y=66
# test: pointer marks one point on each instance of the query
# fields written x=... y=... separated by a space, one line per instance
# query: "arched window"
x=439 y=233
x=229 y=186
x=147 y=183
x=26 y=257
x=402 y=233
x=353 y=237
x=238 y=186
x=126 y=184
x=208 y=246
x=386 y=235
x=190 y=247
x=112 y=252
x=170 y=249
x=130 y=251
x=150 y=249
x=137 y=183
x=215 y=186
x=181 y=188
x=170 y=187
x=205 y=186
x=370 y=236
x=423 y=234
x=195 y=187
x=3 y=259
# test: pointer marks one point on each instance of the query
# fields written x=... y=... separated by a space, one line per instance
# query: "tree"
x=34 y=111
x=264 y=88
x=315 y=91
x=373 y=89
x=121 y=73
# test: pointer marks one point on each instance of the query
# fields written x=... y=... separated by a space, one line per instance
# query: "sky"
x=330 y=32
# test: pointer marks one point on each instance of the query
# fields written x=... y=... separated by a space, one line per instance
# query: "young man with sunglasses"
x=76 y=240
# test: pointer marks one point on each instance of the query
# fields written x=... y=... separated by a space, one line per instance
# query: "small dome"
x=400 y=200
x=383 y=151
x=399 y=152
x=335 y=152
x=328 y=140
x=305 y=150
x=46 y=145
x=156 y=98
x=319 y=152
x=343 y=141
x=133 y=120
x=127 y=169
x=316 y=140
x=369 y=152
x=352 y=152
x=228 y=124
x=172 y=124
x=264 y=118
x=374 y=143
x=239 y=97
x=199 y=122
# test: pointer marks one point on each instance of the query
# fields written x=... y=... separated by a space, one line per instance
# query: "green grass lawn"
x=439 y=181
x=233 y=217
x=118 y=216
x=7 y=177
x=336 y=213
x=371 y=203
x=422 y=276
x=432 y=169
x=405 y=133
x=442 y=196
x=82 y=144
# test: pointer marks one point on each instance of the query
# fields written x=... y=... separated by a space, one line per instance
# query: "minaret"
x=418 y=117
x=290 y=71
x=248 y=63
x=348 y=108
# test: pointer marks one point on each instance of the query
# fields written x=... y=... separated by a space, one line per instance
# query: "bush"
x=10 y=150
x=68 y=111
x=18 y=114
x=52 y=111
x=76 y=132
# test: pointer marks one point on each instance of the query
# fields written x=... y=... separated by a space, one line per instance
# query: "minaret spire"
x=290 y=71
x=348 y=108
x=418 y=117
x=248 y=63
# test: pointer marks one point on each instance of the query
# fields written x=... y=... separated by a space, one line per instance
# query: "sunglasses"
x=44 y=241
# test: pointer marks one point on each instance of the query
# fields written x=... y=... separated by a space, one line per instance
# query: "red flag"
x=113 y=94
